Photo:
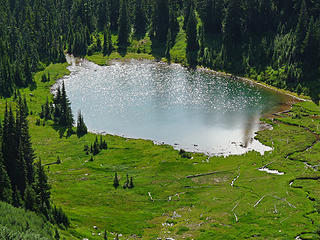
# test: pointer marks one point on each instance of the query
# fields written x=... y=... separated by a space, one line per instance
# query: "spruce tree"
x=168 y=47
x=105 y=47
x=192 y=42
x=96 y=147
x=123 y=25
x=30 y=198
x=110 y=45
x=301 y=27
x=115 y=181
x=160 y=21
x=173 y=21
x=25 y=140
x=5 y=184
x=27 y=71
x=130 y=185
x=126 y=183
x=81 y=127
x=9 y=146
x=140 y=20
x=102 y=14
x=42 y=189
x=66 y=118
x=231 y=29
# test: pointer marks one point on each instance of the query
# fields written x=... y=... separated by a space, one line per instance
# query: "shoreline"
x=284 y=107
x=176 y=146
x=139 y=56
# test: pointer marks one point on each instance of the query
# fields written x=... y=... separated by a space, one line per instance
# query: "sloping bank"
x=204 y=208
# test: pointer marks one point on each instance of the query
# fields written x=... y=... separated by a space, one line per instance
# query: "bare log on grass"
x=291 y=205
x=257 y=203
x=284 y=200
x=235 y=216
x=150 y=196
x=275 y=209
x=267 y=165
x=235 y=206
x=235 y=179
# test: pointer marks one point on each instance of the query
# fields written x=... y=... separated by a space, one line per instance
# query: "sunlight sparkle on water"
x=194 y=110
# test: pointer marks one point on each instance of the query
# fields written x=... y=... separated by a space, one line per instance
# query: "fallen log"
x=257 y=203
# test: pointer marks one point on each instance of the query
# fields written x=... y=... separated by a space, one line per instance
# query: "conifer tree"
x=123 y=25
x=17 y=198
x=126 y=183
x=96 y=148
x=9 y=146
x=81 y=127
x=173 y=21
x=109 y=34
x=25 y=139
x=168 y=47
x=192 y=42
x=102 y=14
x=301 y=27
x=5 y=186
x=42 y=189
x=105 y=47
x=30 y=198
x=160 y=21
x=27 y=71
x=98 y=44
x=186 y=9
x=21 y=177
x=115 y=181
x=311 y=42
x=140 y=21
x=130 y=185
x=66 y=118
x=231 y=29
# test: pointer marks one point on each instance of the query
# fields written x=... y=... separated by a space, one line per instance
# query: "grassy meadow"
x=257 y=205
x=236 y=201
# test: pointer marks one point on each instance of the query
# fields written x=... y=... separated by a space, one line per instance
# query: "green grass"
x=204 y=205
x=18 y=224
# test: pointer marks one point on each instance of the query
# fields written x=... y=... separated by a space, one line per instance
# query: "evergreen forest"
x=272 y=41
x=59 y=181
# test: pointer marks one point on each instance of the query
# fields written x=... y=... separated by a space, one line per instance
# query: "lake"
x=194 y=110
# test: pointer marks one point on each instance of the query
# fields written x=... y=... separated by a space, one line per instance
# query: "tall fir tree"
x=231 y=29
x=302 y=25
x=30 y=198
x=160 y=21
x=81 y=127
x=192 y=41
x=105 y=47
x=42 y=189
x=140 y=20
x=123 y=25
x=5 y=184
x=115 y=181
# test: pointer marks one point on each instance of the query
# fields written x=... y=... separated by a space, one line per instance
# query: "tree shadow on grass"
x=63 y=131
